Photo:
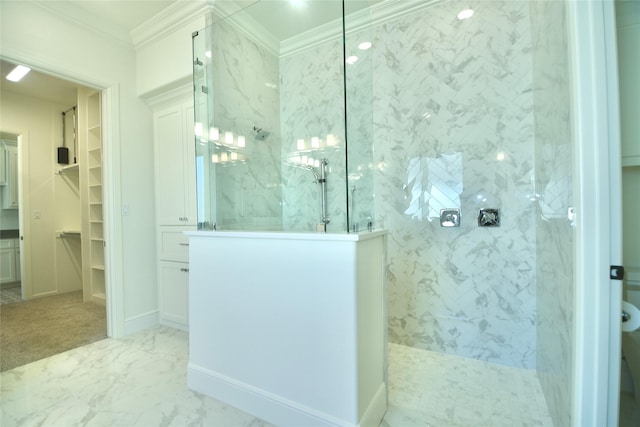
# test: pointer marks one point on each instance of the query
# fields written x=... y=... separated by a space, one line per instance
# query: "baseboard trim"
x=272 y=408
x=141 y=322
x=374 y=413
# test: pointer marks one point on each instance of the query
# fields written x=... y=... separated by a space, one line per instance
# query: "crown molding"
x=248 y=26
x=354 y=22
x=85 y=20
x=170 y=19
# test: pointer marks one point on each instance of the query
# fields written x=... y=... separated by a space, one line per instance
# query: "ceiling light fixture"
x=18 y=73
x=465 y=14
x=364 y=45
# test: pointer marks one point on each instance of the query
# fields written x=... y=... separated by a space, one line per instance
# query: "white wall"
x=47 y=257
x=49 y=41
x=166 y=62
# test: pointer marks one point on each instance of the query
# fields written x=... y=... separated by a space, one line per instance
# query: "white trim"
x=111 y=199
x=168 y=20
x=592 y=379
x=81 y=18
x=271 y=407
x=614 y=208
x=141 y=322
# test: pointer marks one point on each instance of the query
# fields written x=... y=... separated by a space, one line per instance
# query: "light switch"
x=36 y=214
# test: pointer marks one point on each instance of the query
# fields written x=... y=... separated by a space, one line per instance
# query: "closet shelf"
x=69 y=234
x=71 y=168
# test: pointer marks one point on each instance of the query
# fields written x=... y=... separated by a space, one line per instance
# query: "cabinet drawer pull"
x=186 y=270
x=183 y=244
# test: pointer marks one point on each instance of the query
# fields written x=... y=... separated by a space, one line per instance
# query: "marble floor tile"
x=434 y=389
x=141 y=381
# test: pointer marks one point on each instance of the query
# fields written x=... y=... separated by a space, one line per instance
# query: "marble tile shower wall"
x=312 y=106
x=246 y=79
x=454 y=128
x=555 y=234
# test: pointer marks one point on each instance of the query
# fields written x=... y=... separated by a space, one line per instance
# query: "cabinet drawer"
x=174 y=246
x=6 y=243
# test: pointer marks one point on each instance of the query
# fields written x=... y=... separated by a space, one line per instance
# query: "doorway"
x=60 y=199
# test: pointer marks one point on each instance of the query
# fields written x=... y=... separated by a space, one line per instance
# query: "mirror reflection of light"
x=234 y=156
x=315 y=142
x=214 y=158
x=228 y=138
x=197 y=129
x=364 y=45
x=208 y=54
x=465 y=14
x=300 y=144
x=351 y=59
x=331 y=140
x=214 y=134
x=500 y=156
x=241 y=141
x=224 y=157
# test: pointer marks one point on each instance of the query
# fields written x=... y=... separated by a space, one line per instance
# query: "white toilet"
x=631 y=340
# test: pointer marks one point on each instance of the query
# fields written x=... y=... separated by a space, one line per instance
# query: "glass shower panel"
x=272 y=152
x=359 y=51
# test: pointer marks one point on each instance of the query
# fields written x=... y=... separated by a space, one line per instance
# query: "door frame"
x=112 y=196
x=597 y=329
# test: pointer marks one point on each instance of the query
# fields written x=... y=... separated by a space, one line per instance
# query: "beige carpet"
x=39 y=328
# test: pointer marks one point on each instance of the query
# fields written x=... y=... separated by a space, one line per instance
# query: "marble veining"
x=555 y=233
x=141 y=381
x=449 y=106
x=454 y=99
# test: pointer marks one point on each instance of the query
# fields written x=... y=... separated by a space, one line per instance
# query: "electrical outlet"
x=36 y=214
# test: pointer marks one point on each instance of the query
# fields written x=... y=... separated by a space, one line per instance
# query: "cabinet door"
x=175 y=165
x=17 y=261
x=3 y=164
x=10 y=193
x=174 y=293
x=7 y=265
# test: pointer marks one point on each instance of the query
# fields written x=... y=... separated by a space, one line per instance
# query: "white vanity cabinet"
x=3 y=164
x=173 y=277
x=10 y=189
x=9 y=260
x=175 y=203
x=175 y=165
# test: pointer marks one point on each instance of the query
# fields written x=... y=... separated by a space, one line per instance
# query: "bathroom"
x=421 y=313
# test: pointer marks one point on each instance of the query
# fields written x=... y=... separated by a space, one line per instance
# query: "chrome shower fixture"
x=261 y=134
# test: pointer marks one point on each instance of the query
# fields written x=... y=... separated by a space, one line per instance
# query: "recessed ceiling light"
x=297 y=3
x=364 y=45
x=18 y=73
x=351 y=59
x=465 y=14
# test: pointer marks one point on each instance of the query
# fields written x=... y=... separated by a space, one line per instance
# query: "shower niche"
x=286 y=269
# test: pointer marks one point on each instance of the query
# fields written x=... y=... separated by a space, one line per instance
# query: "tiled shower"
x=463 y=114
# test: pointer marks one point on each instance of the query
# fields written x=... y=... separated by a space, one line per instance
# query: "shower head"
x=261 y=134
